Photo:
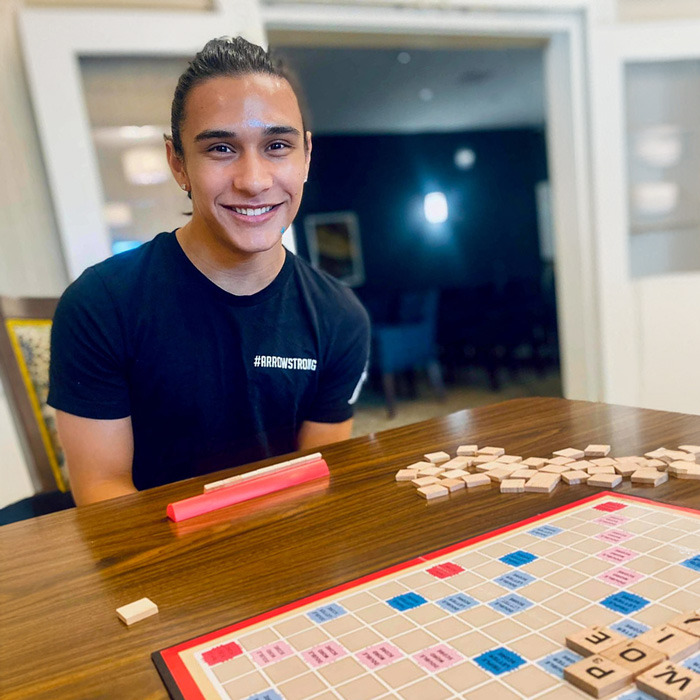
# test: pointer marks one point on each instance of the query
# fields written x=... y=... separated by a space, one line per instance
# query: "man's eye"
x=221 y=148
x=278 y=146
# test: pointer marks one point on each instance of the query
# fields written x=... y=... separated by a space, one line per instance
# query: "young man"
x=210 y=346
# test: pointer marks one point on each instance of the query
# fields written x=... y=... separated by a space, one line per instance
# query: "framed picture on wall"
x=334 y=245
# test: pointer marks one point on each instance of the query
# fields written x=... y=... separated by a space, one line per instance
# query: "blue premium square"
x=546 y=531
x=500 y=660
x=266 y=695
x=518 y=558
x=630 y=628
x=557 y=662
x=636 y=695
x=692 y=563
x=510 y=604
x=693 y=663
x=514 y=579
x=327 y=612
x=456 y=603
x=624 y=602
x=406 y=601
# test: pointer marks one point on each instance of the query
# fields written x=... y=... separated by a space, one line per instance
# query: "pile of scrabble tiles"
x=473 y=467
x=651 y=661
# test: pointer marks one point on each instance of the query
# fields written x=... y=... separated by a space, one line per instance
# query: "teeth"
x=251 y=212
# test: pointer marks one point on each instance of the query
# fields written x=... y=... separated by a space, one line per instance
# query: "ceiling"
x=352 y=90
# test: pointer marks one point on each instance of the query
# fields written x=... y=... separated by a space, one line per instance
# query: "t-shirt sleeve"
x=87 y=375
x=345 y=369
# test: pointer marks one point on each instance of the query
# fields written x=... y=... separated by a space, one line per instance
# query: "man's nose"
x=253 y=174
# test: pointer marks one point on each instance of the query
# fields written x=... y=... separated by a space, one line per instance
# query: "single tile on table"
x=483 y=459
x=670 y=682
x=633 y=656
x=430 y=471
x=542 y=483
x=433 y=491
x=425 y=481
x=656 y=454
x=598 y=676
x=406 y=474
x=474 y=480
x=692 y=449
x=452 y=484
x=454 y=474
x=609 y=481
x=580 y=465
x=467 y=450
x=649 y=476
x=457 y=463
x=491 y=451
x=593 y=640
x=575 y=477
x=419 y=465
x=570 y=452
x=500 y=473
x=626 y=469
x=674 y=455
x=513 y=486
x=675 y=644
x=657 y=464
x=137 y=611
x=677 y=467
x=437 y=457
x=693 y=472
x=597 y=451
x=509 y=459
x=524 y=474
x=561 y=461
x=601 y=470
x=534 y=462
x=605 y=462
x=555 y=469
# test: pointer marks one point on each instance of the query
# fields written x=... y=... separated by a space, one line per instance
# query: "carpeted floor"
x=472 y=390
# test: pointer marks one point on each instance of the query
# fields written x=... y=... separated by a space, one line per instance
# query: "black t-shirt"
x=211 y=380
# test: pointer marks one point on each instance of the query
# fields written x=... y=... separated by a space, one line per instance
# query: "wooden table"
x=63 y=575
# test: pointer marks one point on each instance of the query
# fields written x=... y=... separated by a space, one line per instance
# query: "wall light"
x=145 y=165
x=464 y=158
x=435 y=207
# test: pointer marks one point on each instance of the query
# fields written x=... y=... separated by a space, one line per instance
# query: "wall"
x=491 y=232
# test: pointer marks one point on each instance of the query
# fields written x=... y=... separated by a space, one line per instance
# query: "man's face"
x=244 y=159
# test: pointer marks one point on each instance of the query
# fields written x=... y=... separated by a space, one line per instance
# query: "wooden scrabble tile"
x=580 y=465
x=688 y=622
x=597 y=451
x=433 y=491
x=597 y=676
x=488 y=466
x=656 y=454
x=524 y=474
x=601 y=470
x=483 y=459
x=626 y=469
x=670 y=682
x=604 y=462
x=634 y=656
x=606 y=480
x=512 y=486
x=675 y=644
x=555 y=469
x=457 y=463
x=452 y=484
x=677 y=456
x=542 y=483
x=419 y=465
x=649 y=476
x=657 y=464
x=692 y=473
x=570 y=452
x=593 y=640
x=425 y=481
x=492 y=451
x=639 y=460
x=675 y=468
x=467 y=450
x=430 y=471
x=509 y=459
x=454 y=474
x=474 y=480
x=534 y=462
x=575 y=477
x=692 y=449
x=560 y=461
x=437 y=457
x=406 y=474
x=138 y=610
x=500 y=473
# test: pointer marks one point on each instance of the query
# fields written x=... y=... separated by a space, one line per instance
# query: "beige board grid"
x=574 y=570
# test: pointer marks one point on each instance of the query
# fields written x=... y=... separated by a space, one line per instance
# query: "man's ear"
x=177 y=164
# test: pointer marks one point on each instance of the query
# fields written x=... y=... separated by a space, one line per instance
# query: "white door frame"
x=567 y=140
x=53 y=41
x=623 y=361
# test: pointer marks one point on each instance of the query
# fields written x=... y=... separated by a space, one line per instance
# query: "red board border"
x=188 y=688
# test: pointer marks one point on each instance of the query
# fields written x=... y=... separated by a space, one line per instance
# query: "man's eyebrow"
x=209 y=134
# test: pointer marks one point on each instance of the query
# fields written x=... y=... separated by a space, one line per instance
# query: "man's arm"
x=312 y=434
x=99 y=456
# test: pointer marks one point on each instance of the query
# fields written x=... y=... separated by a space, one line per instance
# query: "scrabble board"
x=484 y=619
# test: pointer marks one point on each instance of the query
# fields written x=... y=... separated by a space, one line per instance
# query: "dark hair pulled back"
x=227 y=56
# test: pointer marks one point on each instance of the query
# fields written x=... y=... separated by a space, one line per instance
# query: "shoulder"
x=334 y=300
